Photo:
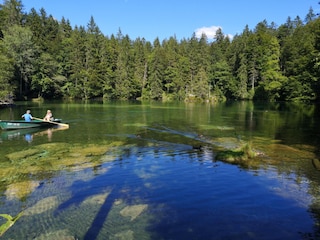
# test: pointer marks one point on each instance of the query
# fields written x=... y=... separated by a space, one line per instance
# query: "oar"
x=60 y=124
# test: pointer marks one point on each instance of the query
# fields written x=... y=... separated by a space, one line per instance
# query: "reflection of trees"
x=297 y=127
x=152 y=141
x=295 y=163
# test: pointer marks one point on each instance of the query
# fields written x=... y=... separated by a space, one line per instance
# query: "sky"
x=151 y=19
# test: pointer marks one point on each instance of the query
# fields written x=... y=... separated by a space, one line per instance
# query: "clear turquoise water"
x=162 y=181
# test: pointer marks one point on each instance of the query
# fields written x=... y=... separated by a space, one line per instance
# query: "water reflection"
x=164 y=183
x=28 y=137
x=28 y=134
x=140 y=172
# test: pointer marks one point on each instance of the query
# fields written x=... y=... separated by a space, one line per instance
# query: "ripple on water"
x=154 y=194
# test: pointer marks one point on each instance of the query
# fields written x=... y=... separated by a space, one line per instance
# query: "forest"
x=42 y=57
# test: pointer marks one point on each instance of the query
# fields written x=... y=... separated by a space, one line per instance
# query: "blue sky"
x=150 y=19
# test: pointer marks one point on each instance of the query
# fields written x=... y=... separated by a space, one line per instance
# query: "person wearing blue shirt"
x=27 y=116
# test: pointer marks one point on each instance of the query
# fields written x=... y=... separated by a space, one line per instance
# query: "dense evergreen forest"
x=44 y=57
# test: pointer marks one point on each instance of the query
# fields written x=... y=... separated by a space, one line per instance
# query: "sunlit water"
x=149 y=171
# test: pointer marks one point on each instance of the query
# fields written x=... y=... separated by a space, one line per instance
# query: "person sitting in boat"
x=48 y=116
x=27 y=116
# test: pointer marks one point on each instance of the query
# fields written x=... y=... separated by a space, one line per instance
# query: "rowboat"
x=21 y=124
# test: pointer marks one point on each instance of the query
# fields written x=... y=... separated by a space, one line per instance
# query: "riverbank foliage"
x=42 y=57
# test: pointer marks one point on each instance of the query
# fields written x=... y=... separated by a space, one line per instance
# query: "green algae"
x=24 y=154
x=44 y=160
x=238 y=155
x=18 y=190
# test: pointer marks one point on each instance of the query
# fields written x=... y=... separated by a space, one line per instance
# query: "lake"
x=132 y=170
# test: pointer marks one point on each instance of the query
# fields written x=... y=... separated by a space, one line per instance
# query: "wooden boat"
x=21 y=124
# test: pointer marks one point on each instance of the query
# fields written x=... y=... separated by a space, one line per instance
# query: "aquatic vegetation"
x=227 y=142
x=133 y=211
x=118 y=202
x=54 y=147
x=44 y=160
x=42 y=206
x=90 y=150
x=59 y=234
x=20 y=189
x=135 y=124
x=215 y=127
x=276 y=153
x=23 y=154
x=97 y=199
x=54 y=156
x=124 y=235
x=287 y=153
x=238 y=155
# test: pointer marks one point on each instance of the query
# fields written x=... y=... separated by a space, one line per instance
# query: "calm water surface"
x=150 y=171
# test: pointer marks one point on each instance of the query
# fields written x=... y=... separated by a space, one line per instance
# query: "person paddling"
x=27 y=116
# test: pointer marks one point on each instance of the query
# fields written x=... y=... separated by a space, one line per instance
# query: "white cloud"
x=210 y=32
x=230 y=36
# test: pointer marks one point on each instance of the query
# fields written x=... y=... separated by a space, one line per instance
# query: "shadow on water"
x=81 y=190
x=189 y=196
x=131 y=187
x=180 y=218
